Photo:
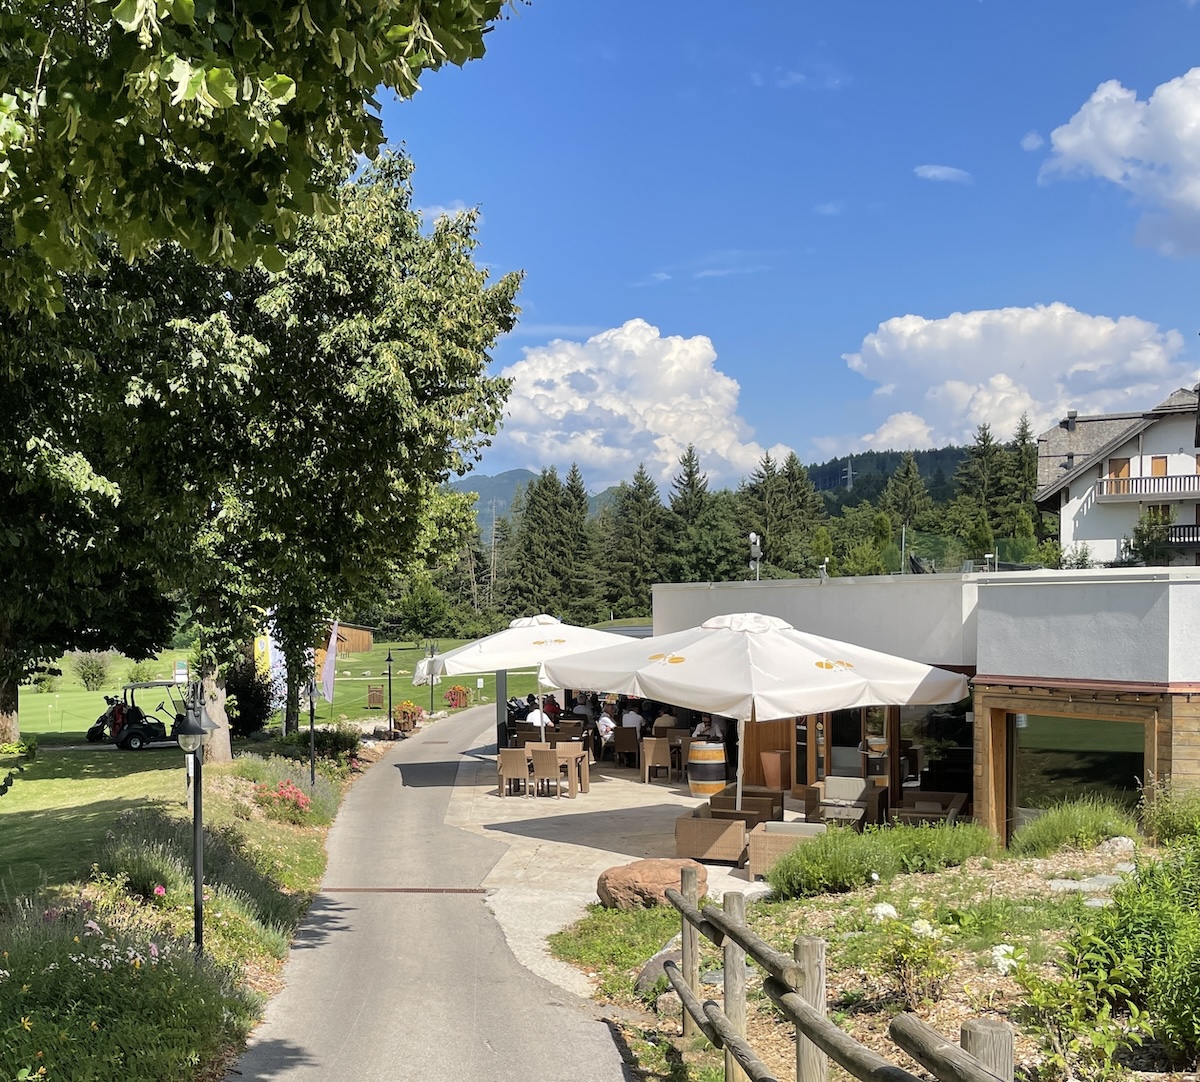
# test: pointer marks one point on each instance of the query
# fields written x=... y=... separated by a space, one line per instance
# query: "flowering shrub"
x=78 y=995
x=457 y=696
x=914 y=955
x=287 y=802
x=409 y=711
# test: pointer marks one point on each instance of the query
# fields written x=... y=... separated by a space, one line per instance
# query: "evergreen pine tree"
x=581 y=601
x=634 y=545
x=983 y=479
x=905 y=496
x=689 y=488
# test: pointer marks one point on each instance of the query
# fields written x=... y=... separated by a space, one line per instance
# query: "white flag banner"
x=329 y=669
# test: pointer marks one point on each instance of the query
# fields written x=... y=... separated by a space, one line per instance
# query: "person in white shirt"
x=631 y=719
x=709 y=729
x=540 y=718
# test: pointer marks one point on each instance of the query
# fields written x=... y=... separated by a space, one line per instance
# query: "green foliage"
x=90 y=998
x=331 y=741
x=191 y=122
x=45 y=682
x=251 y=698
x=1076 y=824
x=1151 y=541
x=140 y=671
x=1170 y=813
x=634 y=545
x=92 y=667
x=915 y=956
x=1078 y=1014
x=615 y=943
x=842 y=860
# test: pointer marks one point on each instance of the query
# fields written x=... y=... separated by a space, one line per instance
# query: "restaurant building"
x=1083 y=680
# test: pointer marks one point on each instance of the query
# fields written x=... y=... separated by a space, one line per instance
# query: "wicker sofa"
x=765 y=807
x=770 y=841
x=923 y=806
x=727 y=796
x=839 y=792
x=702 y=836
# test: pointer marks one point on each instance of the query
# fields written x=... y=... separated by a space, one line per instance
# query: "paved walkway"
x=423 y=956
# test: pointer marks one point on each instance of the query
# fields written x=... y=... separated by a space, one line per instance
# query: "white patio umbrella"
x=526 y=643
x=755 y=668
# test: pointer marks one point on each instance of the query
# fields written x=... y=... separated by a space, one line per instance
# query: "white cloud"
x=943 y=173
x=624 y=396
x=828 y=209
x=1149 y=148
x=442 y=210
x=944 y=377
x=725 y=272
x=1031 y=140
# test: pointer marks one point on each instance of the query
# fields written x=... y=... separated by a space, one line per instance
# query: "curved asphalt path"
x=384 y=985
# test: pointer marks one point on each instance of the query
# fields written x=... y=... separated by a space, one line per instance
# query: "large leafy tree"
x=213 y=124
x=369 y=392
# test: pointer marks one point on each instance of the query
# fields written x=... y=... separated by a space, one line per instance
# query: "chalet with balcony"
x=1100 y=473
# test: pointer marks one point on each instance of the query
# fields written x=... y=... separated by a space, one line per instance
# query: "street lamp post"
x=388 y=660
x=432 y=680
x=193 y=731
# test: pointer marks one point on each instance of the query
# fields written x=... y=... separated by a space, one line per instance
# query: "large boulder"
x=643 y=883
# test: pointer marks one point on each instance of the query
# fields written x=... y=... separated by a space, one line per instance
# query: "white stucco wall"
x=1114 y=624
x=1124 y=625
x=928 y=618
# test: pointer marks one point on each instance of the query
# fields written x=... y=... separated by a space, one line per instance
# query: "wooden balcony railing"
x=1110 y=488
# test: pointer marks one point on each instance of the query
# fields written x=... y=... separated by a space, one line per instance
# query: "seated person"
x=631 y=719
x=709 y=729
x=538 y=717
x=665 y=719
x=605 y=725
x=551 y=707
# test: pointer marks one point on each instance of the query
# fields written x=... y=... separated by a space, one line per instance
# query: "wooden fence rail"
x=796 y=985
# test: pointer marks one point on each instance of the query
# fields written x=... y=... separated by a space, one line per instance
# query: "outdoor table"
x=575 y=754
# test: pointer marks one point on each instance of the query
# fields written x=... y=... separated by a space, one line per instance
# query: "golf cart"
x=129 y=726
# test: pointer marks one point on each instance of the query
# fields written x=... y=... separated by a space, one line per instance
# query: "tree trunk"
x=218 y=749
x=291 y=709
x=10 y=728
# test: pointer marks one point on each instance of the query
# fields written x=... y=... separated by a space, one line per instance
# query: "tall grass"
x=841 y=860
x=1074 y=824
x=1169 y=813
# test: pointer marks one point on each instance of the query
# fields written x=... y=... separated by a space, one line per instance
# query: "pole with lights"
x=193 y=730
x=388 y=662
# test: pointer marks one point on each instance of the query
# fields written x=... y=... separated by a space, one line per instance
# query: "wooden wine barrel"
x=706 y=768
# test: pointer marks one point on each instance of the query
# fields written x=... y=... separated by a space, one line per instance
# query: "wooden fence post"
x=735 y=983
x=688 y=885
x=812 y=1065
x=991 y=1042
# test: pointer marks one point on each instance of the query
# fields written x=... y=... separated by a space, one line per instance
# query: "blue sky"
x=823 y=226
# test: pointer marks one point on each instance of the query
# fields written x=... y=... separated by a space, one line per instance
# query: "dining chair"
x=656 y=755
x=625 y=744
x=513 y=769
x=546 y=769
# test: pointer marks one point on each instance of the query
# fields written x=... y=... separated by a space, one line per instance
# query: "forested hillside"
x=559 y=550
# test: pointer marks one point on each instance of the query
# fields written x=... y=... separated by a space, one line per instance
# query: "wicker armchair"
x=763 y=805
x=770 y=841
x=917 y=806
x=512 y=769
x=656 y=755
x=699 y=836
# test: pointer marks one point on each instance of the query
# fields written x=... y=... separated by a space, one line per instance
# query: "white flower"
x=1004 y=958
x=883 y=911
x=874 y=877
x=3 y=974
x=924 y=929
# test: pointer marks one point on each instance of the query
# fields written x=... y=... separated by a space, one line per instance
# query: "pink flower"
x=153 y=950
x=160 y=891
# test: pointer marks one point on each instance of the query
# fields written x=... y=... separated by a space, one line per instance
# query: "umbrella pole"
x=737 y=802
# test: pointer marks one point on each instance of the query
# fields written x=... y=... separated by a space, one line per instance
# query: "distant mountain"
x=495 y=494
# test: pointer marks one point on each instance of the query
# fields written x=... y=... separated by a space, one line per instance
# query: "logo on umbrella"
x=667 y=659
x=840 y=666
x=548 y=642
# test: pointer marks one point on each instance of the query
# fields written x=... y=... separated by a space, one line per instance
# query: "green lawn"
x=63 y=716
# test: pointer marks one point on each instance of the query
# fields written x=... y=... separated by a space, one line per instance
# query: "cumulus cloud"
x=945 y=173
x=624 y=396
x=944 y=377
x=1031 y=140
x=1148 y=148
